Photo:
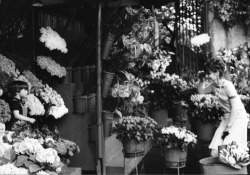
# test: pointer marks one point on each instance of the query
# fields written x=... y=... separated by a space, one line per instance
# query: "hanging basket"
x=174 y=158
x=107 y=122
x=133 y=149
x=211 y=165
x=107 y=81
x=205 y=131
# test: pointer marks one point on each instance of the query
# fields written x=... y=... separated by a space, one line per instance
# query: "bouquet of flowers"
x=51 y=66
x=198 y=43
x=174 y=137
x=132 y=127
x=34 y=104
x=52 y=40
x=235 y=155
x=130 y=93
x=54 y=100
x=5 y=114
x=8 y=66
x=204 y=107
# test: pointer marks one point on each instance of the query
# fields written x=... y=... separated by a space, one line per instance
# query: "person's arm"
x=232 y=94
x=22 y=117
x=203 y=88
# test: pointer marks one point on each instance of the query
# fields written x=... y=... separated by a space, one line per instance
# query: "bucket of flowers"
x=203 y=108
x=233 y=159
x=133 y=132
x=174 y=142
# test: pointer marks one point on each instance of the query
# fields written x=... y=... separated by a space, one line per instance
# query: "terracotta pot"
x=106 y=83
x=174 y=158
x=107 y=46
x=108 y=117
x=134 y=149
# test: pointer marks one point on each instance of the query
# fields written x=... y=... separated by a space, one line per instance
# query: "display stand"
x=134 y=156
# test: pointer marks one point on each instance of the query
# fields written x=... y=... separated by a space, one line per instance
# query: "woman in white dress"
x=233 y=126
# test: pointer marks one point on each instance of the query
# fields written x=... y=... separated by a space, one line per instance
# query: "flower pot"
x=80 y=104
x=91 y=102
x=161 y=117
x=211 y=165
x=174 y=158
x=76 y=75
x=92 y=133
x=106 y=83
x=78 y=89
x=107 y=122
x=205 y=131
x=133 y=149
x=85 y=74
x=107 y=46
x=179 y=115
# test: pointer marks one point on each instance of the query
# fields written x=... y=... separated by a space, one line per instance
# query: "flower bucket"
x=161 y=117
x=80 y=104
x=92 y=133
x=107 y=46
x=76 y=75
x=78 y=89
x=85 y=74
x=174 y=158
x=68 y=78
x=205 y=131
x=179 y=115
x=107 y=122
x=107 y=81
x=91 y=102
x=133 y=149
x=211 y=165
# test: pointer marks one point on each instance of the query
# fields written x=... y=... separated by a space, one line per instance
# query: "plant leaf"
x=10 y=154
x=27 y=163
x=34 y=168
x=3 y=160
x=20 y=160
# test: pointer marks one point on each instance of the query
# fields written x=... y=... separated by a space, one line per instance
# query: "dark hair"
x=16 y=86
x=214 y=65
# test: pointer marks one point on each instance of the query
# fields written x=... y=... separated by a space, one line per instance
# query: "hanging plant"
x=230 y=12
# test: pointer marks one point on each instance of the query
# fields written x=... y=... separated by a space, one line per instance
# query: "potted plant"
x=174 y=142
x=233 y=159
x=203 y=108
x=133 y=132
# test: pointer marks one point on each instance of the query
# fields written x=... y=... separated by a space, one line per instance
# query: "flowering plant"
x=174 y=137
x=34 y=105
x=129 y=92
x=234 y=155
x=51 y=66
x=54 y=100
x=237 y=62
x=5 y=114
x=198 y=43
x=53 y=40
x=8 y=66
x=34 y=81
x=204 y=107
x=10 y=168
x=132 y=127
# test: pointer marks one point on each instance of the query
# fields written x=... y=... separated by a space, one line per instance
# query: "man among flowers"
x=233 y=126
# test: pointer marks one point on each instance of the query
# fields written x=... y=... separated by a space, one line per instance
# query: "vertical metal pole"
x=101 y=169
x=33 y=41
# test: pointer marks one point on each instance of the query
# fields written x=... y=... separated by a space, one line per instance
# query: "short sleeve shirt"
x=15 y=104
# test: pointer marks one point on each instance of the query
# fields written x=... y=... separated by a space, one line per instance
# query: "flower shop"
x=112 y=86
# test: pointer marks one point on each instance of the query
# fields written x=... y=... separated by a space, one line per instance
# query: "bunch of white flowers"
x=53 y=40
x=200 y=39
x=8 y=66
x=179 y=133
x=235 y=155
x=204 y=100
x=51 y=66
x=10 y=168
x=27 y=146
x=48 y=155
x=34 y=104
x=50 y=96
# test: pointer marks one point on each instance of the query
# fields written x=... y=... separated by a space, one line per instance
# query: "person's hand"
x=225 y=133
x=32 y=120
